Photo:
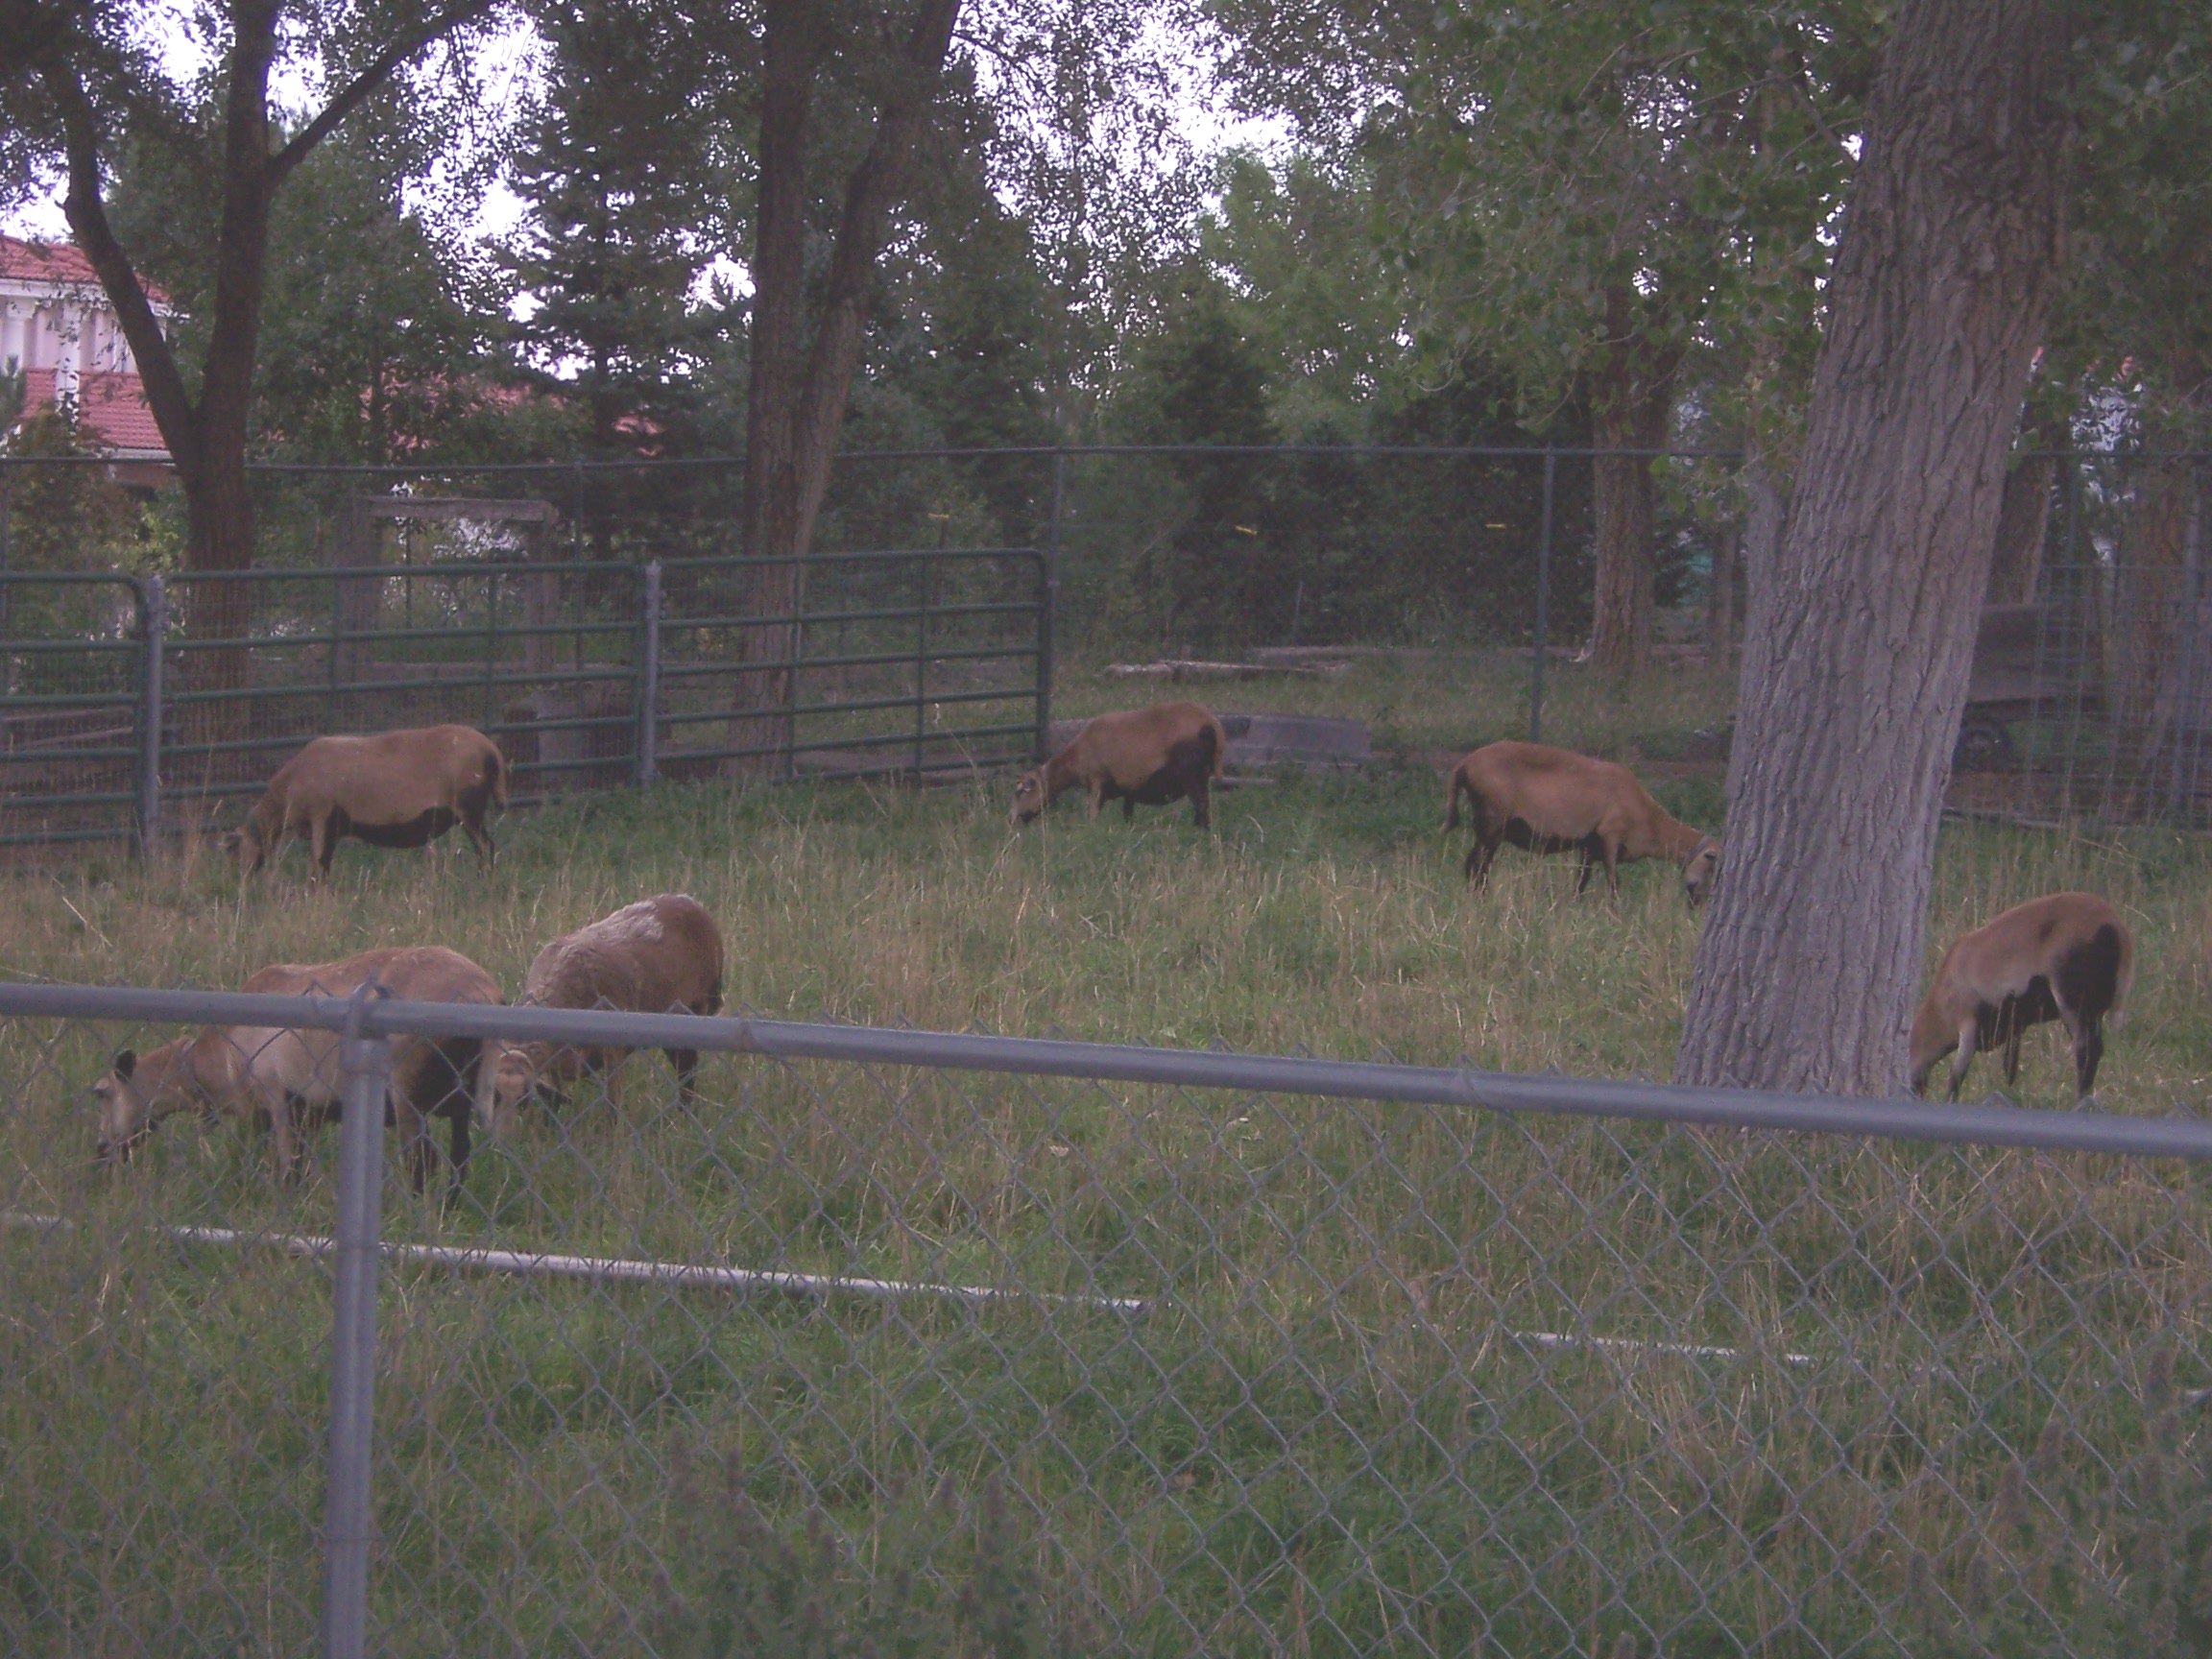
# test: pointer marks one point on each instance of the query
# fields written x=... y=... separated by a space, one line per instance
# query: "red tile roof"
x=55 y=262
x=111 y=409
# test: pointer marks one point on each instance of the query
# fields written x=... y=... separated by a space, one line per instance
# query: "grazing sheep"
x=1142 y=757
x=661 y=956
x=290 y=1076
x=1546 y=800
x=2066 y=956
x=393 y=789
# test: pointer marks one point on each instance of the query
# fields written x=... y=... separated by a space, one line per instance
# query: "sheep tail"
x=495 y=769
x=1452 y=788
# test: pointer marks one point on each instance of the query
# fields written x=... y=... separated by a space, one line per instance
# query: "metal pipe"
x=629 y=1270
x=1048 y=607
x=365 y=1074
x=922 y=574
x=1903 y=1120
x=649 y=676
x=153 y=615
x=1543 y=602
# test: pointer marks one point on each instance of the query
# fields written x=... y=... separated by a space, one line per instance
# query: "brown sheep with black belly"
x=661 y=956
x=1141 y=757
x=289 y=1075
x=393 y=789
x=1546 y=800
x=2065 y=956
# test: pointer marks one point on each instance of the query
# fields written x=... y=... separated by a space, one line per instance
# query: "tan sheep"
x=1546 y=800
x=393 y=789
x=661 y=956
x=2065 y=956
x=1140 y=756
x=289 y=1077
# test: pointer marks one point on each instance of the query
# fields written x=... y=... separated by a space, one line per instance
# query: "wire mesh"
x=510 y=597
x=1074 y=1364
x=71 y=661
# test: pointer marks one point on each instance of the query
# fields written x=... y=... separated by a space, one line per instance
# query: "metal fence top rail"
x=1104 y=1062
x=670 y=462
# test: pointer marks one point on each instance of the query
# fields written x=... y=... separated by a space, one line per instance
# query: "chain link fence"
x=905 y=1341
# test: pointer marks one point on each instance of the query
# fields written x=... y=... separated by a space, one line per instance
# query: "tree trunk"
x=207 y=439
x=793 y=413
x=1633 y=399
x=2021 y=522
x=1856 y=656
x=791 y=51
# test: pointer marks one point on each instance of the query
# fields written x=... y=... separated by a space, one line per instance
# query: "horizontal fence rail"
x=516 y=597
x=157 y=704
x=1100 y=1348
x=1908 y=1119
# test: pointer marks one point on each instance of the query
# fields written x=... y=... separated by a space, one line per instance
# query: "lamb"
x=2065 y=956
x=290 y=1077
x=1546 y=800
x=1141 y=757
x=661 y=956
x=393 y=789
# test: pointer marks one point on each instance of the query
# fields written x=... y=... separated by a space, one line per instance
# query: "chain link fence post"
x=154 y=623
x=1543 y=602
x=649 y=676
x=365 y=1073
x=1048 y=607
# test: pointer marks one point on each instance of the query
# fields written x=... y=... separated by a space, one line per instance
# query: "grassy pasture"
x=1325 y=1438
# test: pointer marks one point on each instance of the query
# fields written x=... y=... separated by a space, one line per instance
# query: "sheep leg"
x=480 y=838
x=414 y=1137
x=457 y=1154
x=2088 y=1051
x=284 y=1140
x=1612 y=851
x=1201 y=812
x=2015 y=1028
x=1097 y=797
x=2088 y=1034
x=1589 y=863
x=1969 y=1034
x=686 y=1062
x=1128 y=807
x=1479 y=858
x=324 y=845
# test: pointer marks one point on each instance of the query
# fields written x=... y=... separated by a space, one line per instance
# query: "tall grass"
x=1331 y=1433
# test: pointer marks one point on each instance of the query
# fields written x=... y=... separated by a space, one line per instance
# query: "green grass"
x=1322 y=1440
x=1451 y=699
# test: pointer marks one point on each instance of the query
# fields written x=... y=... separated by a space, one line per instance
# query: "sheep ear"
x=126 y=1062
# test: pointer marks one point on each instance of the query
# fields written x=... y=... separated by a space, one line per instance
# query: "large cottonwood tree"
x=1861 y=632
x=89 y=82
x=807 y=339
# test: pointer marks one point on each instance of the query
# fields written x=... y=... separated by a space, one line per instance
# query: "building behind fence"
x=524 y=600
x=962 y=1343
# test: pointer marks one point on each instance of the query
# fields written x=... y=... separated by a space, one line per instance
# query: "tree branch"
x=379 y=69
x=88 y=216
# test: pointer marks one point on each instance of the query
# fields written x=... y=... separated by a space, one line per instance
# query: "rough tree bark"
x=206 y=438
x=1631 y=401
x=1859 y=641
x=797 y=393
